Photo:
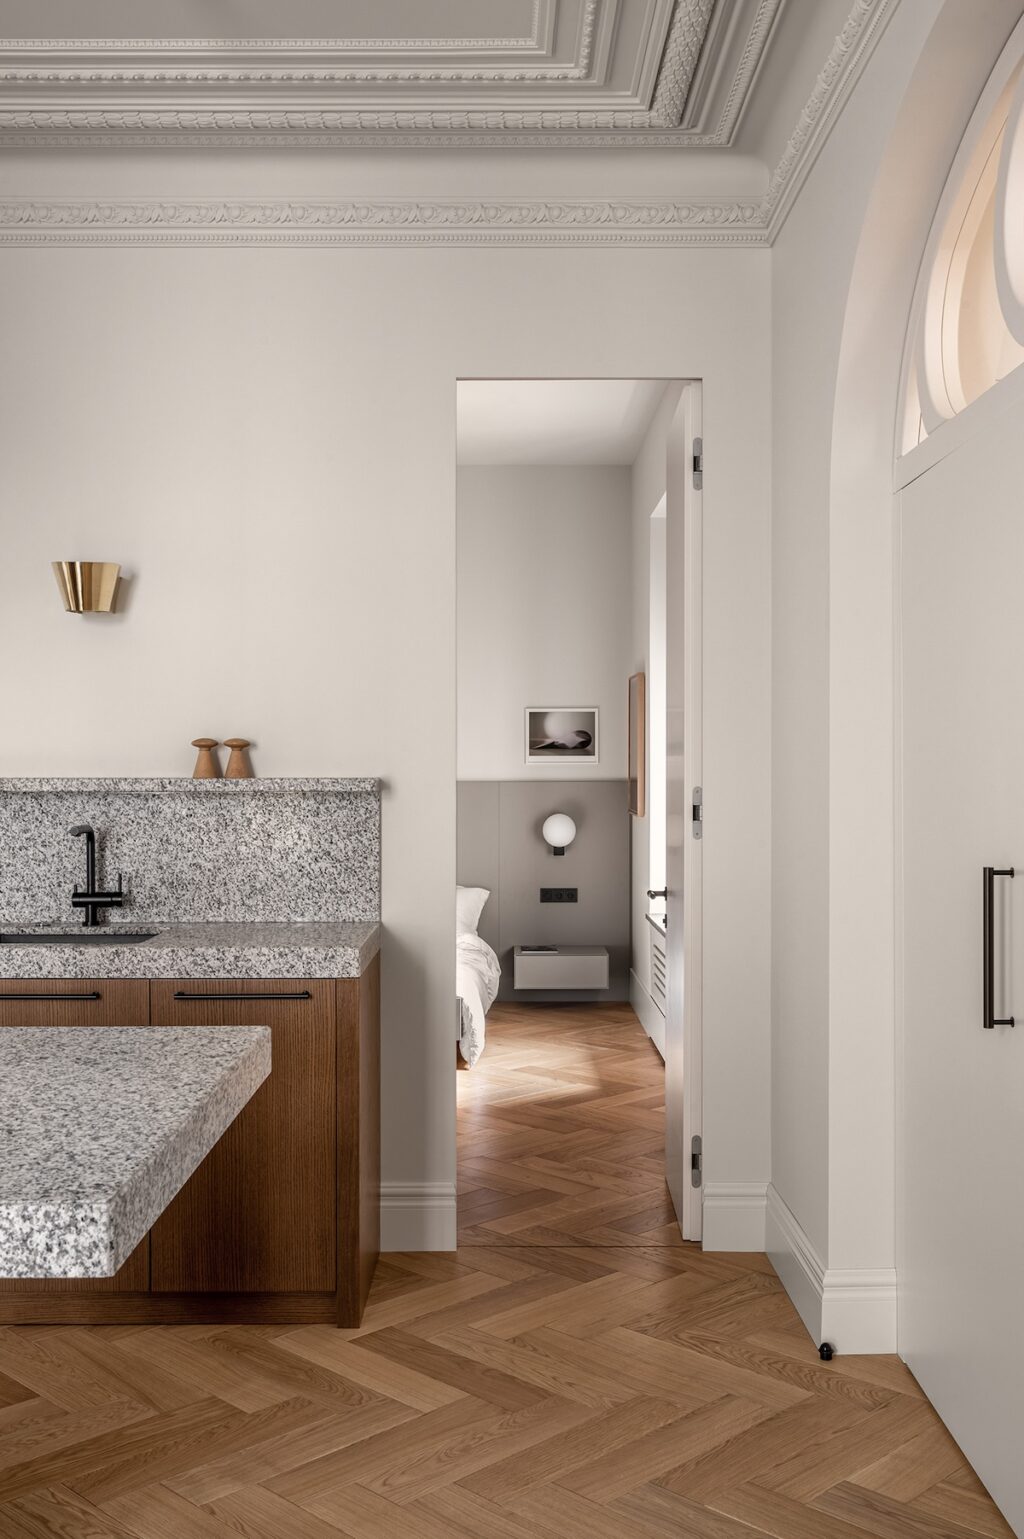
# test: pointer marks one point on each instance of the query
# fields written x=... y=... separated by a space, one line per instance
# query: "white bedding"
x=477 y=974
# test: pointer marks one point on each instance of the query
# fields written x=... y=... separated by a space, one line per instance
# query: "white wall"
x=812 y=262
x=266 y=436
x=843 y=272
x=543 y=611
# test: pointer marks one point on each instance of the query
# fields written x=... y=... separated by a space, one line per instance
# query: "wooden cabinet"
x=259 y=1215
x=280 y=1222
x=74 y=1002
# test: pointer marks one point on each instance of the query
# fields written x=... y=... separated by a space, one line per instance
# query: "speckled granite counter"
x=314 y=950
x=100 y=1128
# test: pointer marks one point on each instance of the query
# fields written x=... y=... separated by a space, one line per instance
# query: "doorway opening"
x=578 y=860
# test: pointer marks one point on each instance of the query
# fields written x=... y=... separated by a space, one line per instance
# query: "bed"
x=477 y=973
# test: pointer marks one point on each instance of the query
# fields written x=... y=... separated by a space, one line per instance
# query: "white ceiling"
x=554 y=421
x=666 y=71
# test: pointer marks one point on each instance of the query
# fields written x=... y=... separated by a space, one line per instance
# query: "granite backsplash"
x=193 y=851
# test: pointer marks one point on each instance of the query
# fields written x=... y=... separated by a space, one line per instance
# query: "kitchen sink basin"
x=74 y=937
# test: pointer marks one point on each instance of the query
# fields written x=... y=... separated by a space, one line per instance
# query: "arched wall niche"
x=966 y=330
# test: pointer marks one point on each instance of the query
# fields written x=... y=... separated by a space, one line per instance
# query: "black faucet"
x=90 y=900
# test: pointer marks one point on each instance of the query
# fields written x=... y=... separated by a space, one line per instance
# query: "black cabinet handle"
x=988 y=947
x=94 y=994
x=300 y=994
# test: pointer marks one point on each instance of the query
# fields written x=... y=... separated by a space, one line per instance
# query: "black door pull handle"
x=184 y=994
x=988 y=948
x=50 y=998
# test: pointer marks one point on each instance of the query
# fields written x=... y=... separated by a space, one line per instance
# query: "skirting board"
x=417 y=1217
x=651 y=1018
x=853 y=1310
x=734 y=1216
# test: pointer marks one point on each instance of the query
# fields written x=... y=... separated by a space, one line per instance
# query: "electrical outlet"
x=559 y=895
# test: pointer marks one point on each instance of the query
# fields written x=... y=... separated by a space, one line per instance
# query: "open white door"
x=683 y=1121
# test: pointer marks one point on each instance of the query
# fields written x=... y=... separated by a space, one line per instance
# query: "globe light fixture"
x=559 y=831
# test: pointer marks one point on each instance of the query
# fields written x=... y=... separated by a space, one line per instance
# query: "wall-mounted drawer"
x=238 y=1001
x=564 y=967
x=74 y=1002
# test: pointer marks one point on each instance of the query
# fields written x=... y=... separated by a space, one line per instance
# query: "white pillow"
x=469 y=905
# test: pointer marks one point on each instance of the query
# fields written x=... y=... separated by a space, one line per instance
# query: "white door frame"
x=684 y=867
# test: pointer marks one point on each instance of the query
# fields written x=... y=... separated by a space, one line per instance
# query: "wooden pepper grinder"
x=239 y=767
x=207 y=764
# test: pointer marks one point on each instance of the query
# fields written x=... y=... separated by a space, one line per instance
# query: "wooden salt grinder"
x=207 y=766
x=239 y=767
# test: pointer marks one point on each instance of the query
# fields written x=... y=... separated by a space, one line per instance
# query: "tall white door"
x=961 y=1240
x=683 y=775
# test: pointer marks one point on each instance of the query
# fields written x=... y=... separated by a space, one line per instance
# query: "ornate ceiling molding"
x=312 y=90
x=846 y=60
x=679 y=62
x=541 y=26
x=550 y=222
x=142 y=62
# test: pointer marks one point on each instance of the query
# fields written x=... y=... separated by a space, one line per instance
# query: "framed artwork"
x=561 y=734
x=637 y=744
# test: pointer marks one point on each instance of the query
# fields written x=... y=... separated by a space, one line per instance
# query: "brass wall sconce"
x=87 y=587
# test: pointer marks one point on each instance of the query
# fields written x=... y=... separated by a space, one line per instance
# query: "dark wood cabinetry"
x=259 y=1215
x=74 y=1002
x=280 y=1222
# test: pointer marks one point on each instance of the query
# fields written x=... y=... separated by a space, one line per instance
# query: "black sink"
x=74 y=937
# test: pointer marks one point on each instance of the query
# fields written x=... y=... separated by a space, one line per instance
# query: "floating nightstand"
x=560 y=967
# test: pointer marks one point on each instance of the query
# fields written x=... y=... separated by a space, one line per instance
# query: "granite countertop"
x=257 y=950
x=101 y=1126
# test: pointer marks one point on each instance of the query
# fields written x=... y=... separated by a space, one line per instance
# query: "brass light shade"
x=87 y=587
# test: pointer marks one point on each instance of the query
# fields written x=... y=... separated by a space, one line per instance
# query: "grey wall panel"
x=500 y=846
x=478 y=854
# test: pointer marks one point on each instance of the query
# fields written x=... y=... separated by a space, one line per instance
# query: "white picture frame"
x=549 y=731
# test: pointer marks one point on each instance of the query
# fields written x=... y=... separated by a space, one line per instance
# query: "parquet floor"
x=562 y=1132
x=573 y=1371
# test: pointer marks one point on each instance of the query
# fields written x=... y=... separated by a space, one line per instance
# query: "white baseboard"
x=854 y=1310
x=733 y=1216
x=417 y=1217
x=651 y=1018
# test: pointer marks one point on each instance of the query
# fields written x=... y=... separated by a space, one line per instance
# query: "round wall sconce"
x=559 y=831
x=87 y=587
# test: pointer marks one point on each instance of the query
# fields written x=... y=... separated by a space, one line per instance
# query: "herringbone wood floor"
x=574 y=1371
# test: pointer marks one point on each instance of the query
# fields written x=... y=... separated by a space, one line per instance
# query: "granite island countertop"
x=100 y=1127
x=214 y=950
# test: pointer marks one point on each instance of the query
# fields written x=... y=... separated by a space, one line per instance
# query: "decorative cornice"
x=496 y=222
x=750 y=63
x=60 y=135
x=689 y=28
x=343 y=124
x=285 y=44
x=135 y=72
x=276 y=89
x=127 y=61
x=847 y=58
x=551 y=222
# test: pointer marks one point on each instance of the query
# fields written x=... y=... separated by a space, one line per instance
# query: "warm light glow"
x=967 y=331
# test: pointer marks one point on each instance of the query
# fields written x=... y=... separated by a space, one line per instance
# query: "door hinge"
x=698 y=464
x=698 y=812
x=696 y=1160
